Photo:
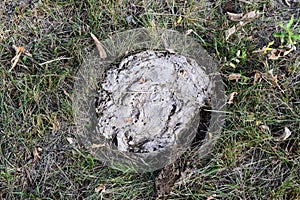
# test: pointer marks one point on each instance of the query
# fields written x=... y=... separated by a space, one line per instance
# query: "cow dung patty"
x=145 y=103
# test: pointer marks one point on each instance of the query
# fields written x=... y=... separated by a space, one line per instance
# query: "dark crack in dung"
x=144 y=102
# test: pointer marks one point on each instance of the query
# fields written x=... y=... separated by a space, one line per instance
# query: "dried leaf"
x=274 y=54
x=288 y=50
x=257 y=78
x=250 y=15
x=231 y=97
x=20 y=49
x=94 y=146
x=286 y=134
x=245 y=19
x=241 y=24
x=229 y=32
x=100 y=188
x=235 y=77
x=272 y=78
x=265 y=128
x=235 y=16
x=100 y=49
x=35 y=155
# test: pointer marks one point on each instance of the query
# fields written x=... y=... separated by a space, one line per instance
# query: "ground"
x=40 y=157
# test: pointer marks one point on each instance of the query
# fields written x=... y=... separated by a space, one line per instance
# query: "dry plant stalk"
x=99 y=46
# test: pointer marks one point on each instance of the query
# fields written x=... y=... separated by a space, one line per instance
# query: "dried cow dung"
x=148 y=101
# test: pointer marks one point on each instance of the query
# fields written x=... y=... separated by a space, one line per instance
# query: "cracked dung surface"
x=146 y=101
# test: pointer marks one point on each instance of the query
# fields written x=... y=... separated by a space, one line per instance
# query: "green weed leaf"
x=290 y=23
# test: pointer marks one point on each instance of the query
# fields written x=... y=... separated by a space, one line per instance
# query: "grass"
x=36 y=108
